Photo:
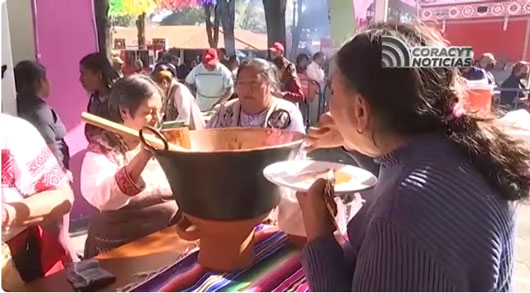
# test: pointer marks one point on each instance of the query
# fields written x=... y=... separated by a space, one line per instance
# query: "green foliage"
x=250 y=16
x=125 y=21
x=186 y=16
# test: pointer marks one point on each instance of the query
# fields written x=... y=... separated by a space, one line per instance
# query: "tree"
x=297 y=29
x=212 y=29
x=126 y=20
x=118 y=8
x=185 y=16
x=275 y=19
x=227 y=12
x=101 y=10
x=140 y=25
x=250 y=16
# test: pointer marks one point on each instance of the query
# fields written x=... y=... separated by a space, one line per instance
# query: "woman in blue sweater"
x=441 y=217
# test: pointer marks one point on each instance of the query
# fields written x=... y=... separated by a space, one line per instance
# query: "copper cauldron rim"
x=254 y=129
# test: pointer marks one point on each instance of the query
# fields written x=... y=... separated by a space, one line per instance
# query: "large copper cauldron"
x=219 y=187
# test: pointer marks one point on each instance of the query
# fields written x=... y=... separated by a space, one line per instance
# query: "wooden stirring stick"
x=127 y=131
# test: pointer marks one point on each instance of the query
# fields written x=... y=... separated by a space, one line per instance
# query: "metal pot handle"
x=157 y=133
x=183 y=229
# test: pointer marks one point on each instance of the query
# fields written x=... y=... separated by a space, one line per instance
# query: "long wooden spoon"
x=129 y=132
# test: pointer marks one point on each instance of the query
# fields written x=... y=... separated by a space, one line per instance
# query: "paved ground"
x=522 y=262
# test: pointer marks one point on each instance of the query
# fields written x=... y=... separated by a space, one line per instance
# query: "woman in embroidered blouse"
x=256 y=105
x=120 y=178
x=179 y=103
x=441 y=217
x=97 y=77
x=35 y=193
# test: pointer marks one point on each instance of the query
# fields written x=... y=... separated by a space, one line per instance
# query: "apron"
x=141 y=217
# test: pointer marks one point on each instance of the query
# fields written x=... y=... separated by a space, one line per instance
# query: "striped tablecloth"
x=276 y=268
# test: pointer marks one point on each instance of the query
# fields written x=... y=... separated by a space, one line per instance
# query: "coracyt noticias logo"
x=396 y=54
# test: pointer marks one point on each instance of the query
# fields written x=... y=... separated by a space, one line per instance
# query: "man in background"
x=277 y=51
x=223 y=58
x=515 y=88
x=315 y=72
x=211 y=81
x=487 y=62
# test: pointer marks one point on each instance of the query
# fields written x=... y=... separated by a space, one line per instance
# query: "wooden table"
x=144 y=255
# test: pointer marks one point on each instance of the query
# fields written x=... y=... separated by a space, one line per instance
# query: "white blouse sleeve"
x=104 y=185
x=183 y=99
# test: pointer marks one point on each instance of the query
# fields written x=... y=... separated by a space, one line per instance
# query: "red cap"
x=277 y=47
x=210 y=57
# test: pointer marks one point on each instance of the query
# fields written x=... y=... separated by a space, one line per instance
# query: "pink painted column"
x=65 y=32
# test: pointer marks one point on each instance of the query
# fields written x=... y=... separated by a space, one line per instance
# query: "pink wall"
x=65 y=32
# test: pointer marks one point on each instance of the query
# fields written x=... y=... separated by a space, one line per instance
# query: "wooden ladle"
x=155 y=140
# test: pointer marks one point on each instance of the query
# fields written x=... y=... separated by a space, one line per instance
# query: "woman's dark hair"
x=164 y=65
x=318 y=55
x=517 y=67
x=301 y=57
x=28 y=75
x=413 y=101
x=97 y=62
x=284 y=64
x=129 y=92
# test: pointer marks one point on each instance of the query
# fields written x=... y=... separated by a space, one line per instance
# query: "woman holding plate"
x=441 y=217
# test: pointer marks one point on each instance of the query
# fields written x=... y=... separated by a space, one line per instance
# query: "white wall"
x=9 y=104
x=21 y=28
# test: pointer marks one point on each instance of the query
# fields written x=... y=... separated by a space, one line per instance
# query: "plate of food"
x=301 y=174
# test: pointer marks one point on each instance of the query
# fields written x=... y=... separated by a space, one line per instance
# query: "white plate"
x=287 y=174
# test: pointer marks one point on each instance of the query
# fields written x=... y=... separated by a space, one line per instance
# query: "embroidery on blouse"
x=126 y=184
x=36 y=165
x=8 y=175
x=225 y=119
x=257 y=120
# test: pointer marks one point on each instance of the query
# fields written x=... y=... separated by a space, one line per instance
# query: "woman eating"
x=256 y=105
x=179 y=103
x=97 y=77
x=32 y=90
x=120 y=178
x=441 y=217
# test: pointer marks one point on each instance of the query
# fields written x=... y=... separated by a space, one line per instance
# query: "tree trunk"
x=275 y=18
x=227 y=12
x=101 y=13
x=140 y=25
x=297 y=29
x=212 y=29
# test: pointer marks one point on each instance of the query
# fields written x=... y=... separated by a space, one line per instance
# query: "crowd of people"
x=415 y=232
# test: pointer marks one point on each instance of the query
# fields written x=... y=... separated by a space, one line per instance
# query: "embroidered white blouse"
x=28 y=165
x=106 y=184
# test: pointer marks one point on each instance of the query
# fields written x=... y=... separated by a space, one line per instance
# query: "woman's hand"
x=317 y=219
x=5 y=216
x=325 y=136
